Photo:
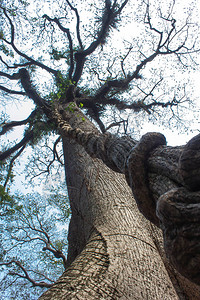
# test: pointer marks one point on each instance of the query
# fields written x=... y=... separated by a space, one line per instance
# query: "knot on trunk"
x=179 y=213
x=137 y=173
x=189 y=164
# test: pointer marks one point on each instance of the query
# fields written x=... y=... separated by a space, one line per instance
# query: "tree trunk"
x=114 y=252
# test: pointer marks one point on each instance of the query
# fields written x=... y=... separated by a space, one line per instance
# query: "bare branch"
x=12 y=164
x=28 y=58
x=14 y=76
x=114 y=124
x=122 y=84
x=27 y=138
x=41 y=166
x=15 y=66
x=31 y=92
x=55 y=156
x=123 y=59
x=150 y=93
x=40 y=274
x=42 y=235
x=56 y=253
x=7 y=126
x=77 y=24
x=55 y=150
x=140 y=104
x=162 y=48
x=26 y=275
x=65 y=30
x=147 y=16
x=108 y=20
x=11 y=91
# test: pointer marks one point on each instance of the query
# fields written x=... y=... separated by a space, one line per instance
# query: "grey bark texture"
x=114 y=251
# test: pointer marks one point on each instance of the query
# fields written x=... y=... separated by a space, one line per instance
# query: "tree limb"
x=77 y=24
x=15 y=66
x=27 y=138
x=26 y=275
x=42 y=236
x=31 y=92
x=135 y=106
x=11 y=164
x=14 y=76
x=56 y=253
x=7 y=126
x=162 y=48
x=65 y=30
x=9 y=91
x=108 y=20
x=28 y=58
x=55 y=150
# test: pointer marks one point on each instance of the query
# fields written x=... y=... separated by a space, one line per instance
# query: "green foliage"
x=5 y=197
x=71 y=107
x=81 y=106
x=62 y=85
x=63 y=82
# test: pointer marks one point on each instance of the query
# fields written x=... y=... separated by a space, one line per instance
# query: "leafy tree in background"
x=69 y=60
x=33 y=240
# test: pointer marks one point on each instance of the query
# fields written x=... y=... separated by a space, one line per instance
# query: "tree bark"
x=114 y=252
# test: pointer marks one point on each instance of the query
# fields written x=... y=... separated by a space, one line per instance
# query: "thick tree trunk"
x=114 y=252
